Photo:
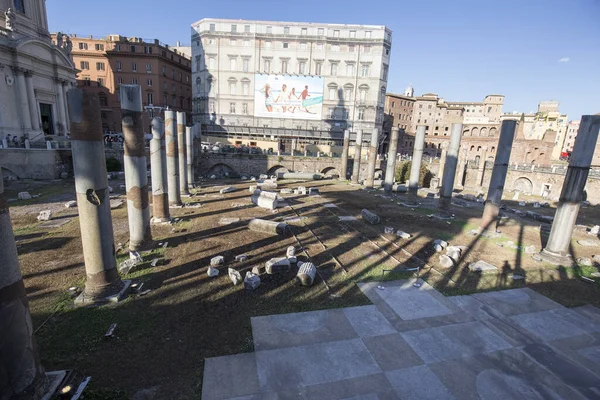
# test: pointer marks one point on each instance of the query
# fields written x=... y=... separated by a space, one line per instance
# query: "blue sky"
x=528 y=50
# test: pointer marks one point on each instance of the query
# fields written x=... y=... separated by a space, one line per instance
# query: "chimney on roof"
x=178 y=43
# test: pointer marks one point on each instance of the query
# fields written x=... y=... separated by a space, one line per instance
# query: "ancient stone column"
x=172 y=158
x=183 y=177
x=344 y=168
x=451 y=159
x=372 y=158
x=189 y=141
x=357 y=150
x=462 y=160
x=571 y=195
x=62 y=118
x=134 y=162
x=158 y=164
x=415 y=168
x=494 y=197
x=91 y=186
x=23 y=100
x=33 y=107
x=443 y=161
x=390 y=168
x=481 y=167
x=21 y=374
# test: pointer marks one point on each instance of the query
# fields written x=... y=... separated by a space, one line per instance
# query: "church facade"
x=35 y=74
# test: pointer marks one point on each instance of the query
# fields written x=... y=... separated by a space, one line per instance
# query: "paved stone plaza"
x=414 y=343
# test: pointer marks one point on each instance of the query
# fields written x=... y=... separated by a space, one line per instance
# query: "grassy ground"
x=162 y=338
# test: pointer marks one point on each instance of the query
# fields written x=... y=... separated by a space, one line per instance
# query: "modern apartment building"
x=572 y=129
x=289 y=79
x=104 y=63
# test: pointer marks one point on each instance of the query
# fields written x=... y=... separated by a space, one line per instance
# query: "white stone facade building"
x=231 y=59
x=35 y=74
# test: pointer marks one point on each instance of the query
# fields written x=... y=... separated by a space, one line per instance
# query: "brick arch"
x=277 y=168
x=222 y=170
x=523 y=184
x=330 y=171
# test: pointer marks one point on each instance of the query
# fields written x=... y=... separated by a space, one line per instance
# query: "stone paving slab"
x=368 y=321
x=230 y=376
x=516 y=301
x=552 y=324
x=502 y=375
x=294 y=367
x=582 y=349
x=454 y=341
x=418 y=383
x=392 y=352
x=370 y=387
x=296 y=329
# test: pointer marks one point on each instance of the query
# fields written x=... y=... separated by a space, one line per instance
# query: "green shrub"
x=113 y=165
x=403 y=174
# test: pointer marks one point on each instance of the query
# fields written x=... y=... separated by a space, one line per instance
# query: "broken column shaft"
x=571 y=195
x=357 y=150
x=91 y=187
x=21 y=374
x=183 y=177
x=158 y=165
x=443 y=156
x=189 y=141
x=172 y=158
x=481 y=166
x=494 y=197
x=390 y=168
x=415 y=168
x=451 y=160
x=372 y=158
x=134 y=161
x=344 y=168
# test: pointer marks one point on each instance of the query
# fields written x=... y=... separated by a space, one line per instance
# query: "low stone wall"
x=35 y=163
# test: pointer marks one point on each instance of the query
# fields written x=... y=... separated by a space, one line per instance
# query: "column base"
x=161 y=221
x=554 y=258
x=410 y=205
x=85 y=299
x=180 y=205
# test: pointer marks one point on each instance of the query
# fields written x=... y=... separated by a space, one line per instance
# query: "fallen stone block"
x=530 y=250
x=218 y=260
x=228 y=189
x=234 y=276
x=253 y=189
x=306 y=273
x=313 y=191
x=388 y=230
x=403 y=235
x=270 y=227
x=594 y=230
x=251 y=281
x=228 y=220
x=263 y=176
x=24 y=196
x=586 y=262
x=213 y=177
x=267 y=186
x=482 y=266
x=302 y=190
x=71 y=204
x=244 y=178
x=370 y=217
x=241 y=257
x=285 y=191
x=536 y=205
x=441 y=242
x=346 y=218
x=588 y=243
x=438 y=248
x=276 y=265
x=212 y=272
x=446 y=261
x=257 y=270
x=522 y=203
x=44 y=215
x=266 y=200
x=116 y=203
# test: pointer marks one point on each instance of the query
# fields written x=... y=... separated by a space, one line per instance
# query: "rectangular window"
x=349 y=69
x=233 y=28
x=149 y=82
x=319 y=46
x=364 y=71
x=232 y=87
x=286 y=45
x=84 y=65
x=233 y=42
x=318 y=66
x=172 y=74
x=132 y=49
x=232 y=64
x=83 y=46
x=149 y=95
x=99 y=47
x=245 y=108
x=361 y=114
x=302 y=67
x=304 y=32
x=267 y=45
x=246 y=64
x=117 y=47
x=134 y=81
x=133 y=67
x=269 y=29
x=99 y=66
x=366 y=49
x=332 y=95
x=120 y=81
x=247 y=28
x=211 y=107
x=352 y=34
x=232 y=108
x=303 y=46
x=333 y=69
x=335 y=47
x=348 y=94
x=198 y=63
x=100 y=82
x=385 y=72
x=351 y=48
x=118 y=65
x=246 y=88
x=211 y=28
x=284 y=66
x=165 y=100
x=267 y=66
x=211 y=63
x=148 y=49
x=286 y=30
x=336 y=33
x=368 y=34
x=246 y=43
x=321 y=31
x=148 y=67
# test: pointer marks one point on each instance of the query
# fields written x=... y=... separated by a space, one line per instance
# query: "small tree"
x=403 y=174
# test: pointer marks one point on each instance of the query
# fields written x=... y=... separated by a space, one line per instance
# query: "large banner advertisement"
x=284 y=96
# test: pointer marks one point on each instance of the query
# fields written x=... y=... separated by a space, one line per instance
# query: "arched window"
x=198 y=85
x=493 y=149
x=478 y=149
x=363 y=91
x=332 y=87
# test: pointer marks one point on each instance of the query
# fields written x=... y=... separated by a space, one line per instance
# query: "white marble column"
x=60 y=105
x=65 y=89
x=23 y=102
x=33 y=107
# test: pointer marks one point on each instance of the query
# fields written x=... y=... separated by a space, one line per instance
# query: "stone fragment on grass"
x=234 y=276
x=403 y=235
x=212 y=272
x=482 y=266
x=251 y=281
x=588 y=243
x=126 y=266
x=257 y=270
x=585 y=261
x=227 y=189
x=446 y=261
x=218 y=260
x=595 y=230
x=530 y=250
x=276 y=265
x=241 y=257
x=71 y=204
x=44 y=215
x=286 y=191
x=388 y=229
x=441 y=242
x=370 y=217
x=306 y=273
x=228 y=220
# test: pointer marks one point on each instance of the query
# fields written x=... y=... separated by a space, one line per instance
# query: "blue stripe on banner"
x=312 y=101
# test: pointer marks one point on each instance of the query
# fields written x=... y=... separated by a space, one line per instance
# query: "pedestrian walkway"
x=414 y=343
